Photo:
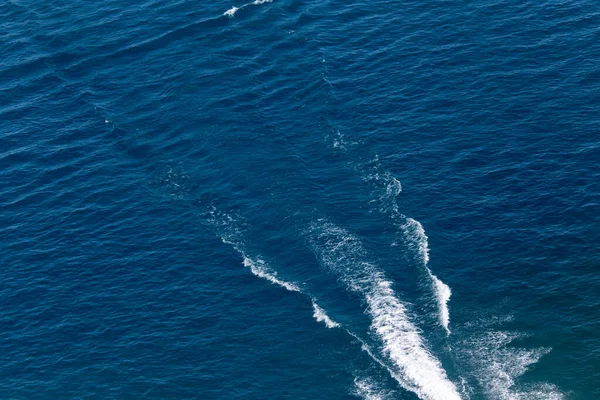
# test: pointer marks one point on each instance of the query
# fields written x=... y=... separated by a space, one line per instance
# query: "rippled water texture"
x=305 y=200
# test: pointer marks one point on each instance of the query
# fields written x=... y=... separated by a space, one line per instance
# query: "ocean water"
x=296 y=199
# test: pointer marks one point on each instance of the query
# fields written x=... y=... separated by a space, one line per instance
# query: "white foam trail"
x=321 y=316
x=496 y=366
x=415 y=368
x=416 y=238
x=415 y=235
x=231 y=12
x=259 y=269
x=257 y=2
x=442 y=294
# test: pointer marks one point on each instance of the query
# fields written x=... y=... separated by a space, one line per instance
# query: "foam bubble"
x=321 y=316
x=231 y=12
x=414 y=367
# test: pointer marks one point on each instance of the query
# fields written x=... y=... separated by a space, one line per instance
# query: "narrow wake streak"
x=260 y=269
x=415 y=236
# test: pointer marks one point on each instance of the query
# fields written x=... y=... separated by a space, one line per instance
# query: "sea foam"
x=416 y=238
x=321 y=316
x=414 y=367
x=368 y=390
x=232 y=235
x=497 y=364
x=260 y=269
x=231 y=12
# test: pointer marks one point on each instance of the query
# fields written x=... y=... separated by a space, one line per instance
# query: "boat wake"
x=388 y=188
x=411 y=363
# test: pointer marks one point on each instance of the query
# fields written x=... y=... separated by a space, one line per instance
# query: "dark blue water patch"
x=180 y=189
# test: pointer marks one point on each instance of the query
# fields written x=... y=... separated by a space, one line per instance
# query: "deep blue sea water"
x=300 y=199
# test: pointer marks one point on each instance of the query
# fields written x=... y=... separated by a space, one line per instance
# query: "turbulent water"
x=304 y=200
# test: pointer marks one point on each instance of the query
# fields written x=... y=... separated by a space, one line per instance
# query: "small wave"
x=321 y=316
x=257 y=2
x=415 y=236
x=231 y=12
x=415 y=368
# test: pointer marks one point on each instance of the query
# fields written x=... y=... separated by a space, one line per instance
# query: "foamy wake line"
x=415 y=236
x=414 y=367
x=259 y=268
x=321 y=316
x=442 y=294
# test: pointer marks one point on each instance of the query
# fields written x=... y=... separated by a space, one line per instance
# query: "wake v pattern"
x=404 y=353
